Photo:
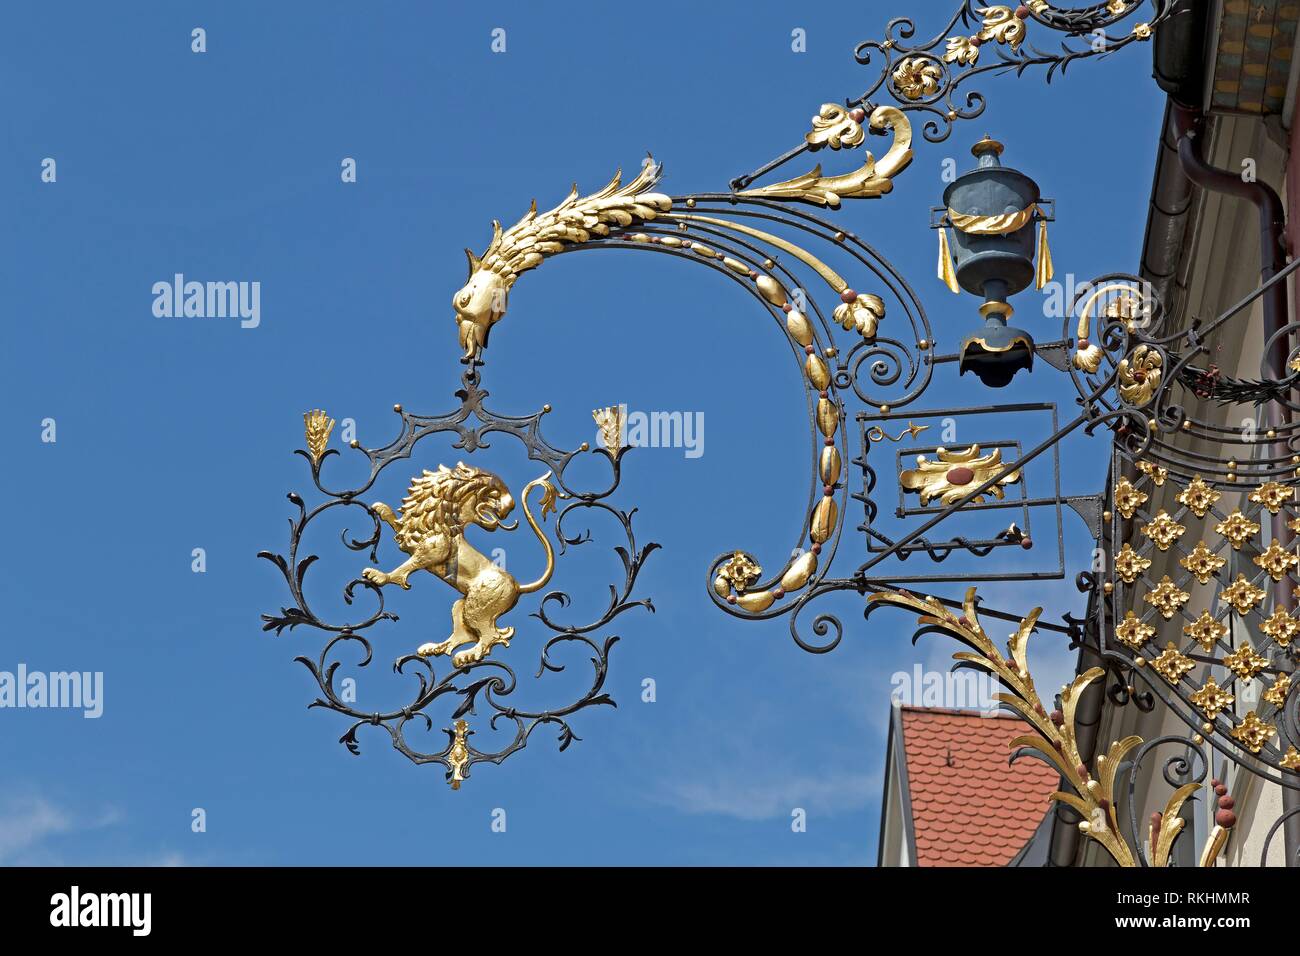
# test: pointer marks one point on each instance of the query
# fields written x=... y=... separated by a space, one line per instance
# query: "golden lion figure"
x=437 y=509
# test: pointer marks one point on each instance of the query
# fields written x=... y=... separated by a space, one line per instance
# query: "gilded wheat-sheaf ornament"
x=318 y=427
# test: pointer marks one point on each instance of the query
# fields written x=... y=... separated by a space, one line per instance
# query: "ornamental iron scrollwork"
x=432 y=529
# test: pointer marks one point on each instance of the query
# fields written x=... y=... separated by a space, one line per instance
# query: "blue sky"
x=175 y=434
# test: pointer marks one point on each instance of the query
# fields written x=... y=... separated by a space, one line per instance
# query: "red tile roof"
x=969 y=808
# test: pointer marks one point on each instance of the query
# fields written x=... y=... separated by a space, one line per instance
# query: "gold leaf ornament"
x=1167 y=597
x=1002 y=25
x=1252 y=733
x=1237 y=529
x=1212 y=699
x=962 y=50
x=1276 y=560
x=1280 y=627
x=953 y=474
x=1242 y=595
x=1172 y=665
x=1202 y=562
x=916 y=77
x=1206 y=630
x=863 y=314
x=836 y=127
x=1129 y=565
x=1272 y=495
x=1163 y=530
x=1244 y=662
x=1139 y=375
x=1132 y=632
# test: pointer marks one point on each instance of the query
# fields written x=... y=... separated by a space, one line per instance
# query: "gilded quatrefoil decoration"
x=1281 y=627
x=1203 y=562
x=1242 y=595
x=1205 y=630
x=1133 y=632
x=1237 y=528
x=1127 y=498
x=1129 y=565
x=1199 y=497
x=1276 y=560
x=1276 y=695
x=1167 y=597
x=1163 y=530
x=1272 y=496
x=1252 y=733
x=1212 y=699
x=1244 y=662
x=1172 y=665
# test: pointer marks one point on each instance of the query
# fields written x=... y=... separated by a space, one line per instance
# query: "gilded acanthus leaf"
x=1001 y=24
x=835 y=127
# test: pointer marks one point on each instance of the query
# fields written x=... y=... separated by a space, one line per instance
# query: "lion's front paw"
x=427 y=650
x=375 y=576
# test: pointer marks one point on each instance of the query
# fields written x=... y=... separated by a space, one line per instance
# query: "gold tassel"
x=946 y=271
x=1045 y=270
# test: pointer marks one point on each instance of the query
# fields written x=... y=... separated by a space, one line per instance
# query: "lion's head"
x=451 y=499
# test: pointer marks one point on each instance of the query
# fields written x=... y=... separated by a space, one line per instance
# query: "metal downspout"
x=1272 y=256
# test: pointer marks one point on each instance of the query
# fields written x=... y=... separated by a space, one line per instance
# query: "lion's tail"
x=548 y=505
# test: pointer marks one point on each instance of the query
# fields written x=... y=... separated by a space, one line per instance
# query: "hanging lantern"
x=987 y=248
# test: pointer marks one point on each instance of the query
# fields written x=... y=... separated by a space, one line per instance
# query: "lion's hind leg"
x=460 y=634
x=482 y=607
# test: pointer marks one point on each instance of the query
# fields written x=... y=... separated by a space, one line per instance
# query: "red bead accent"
x=1022 y=12
x=1026 y=543
x=961 y=475
x=816 y=549
x=809 y=349
x=830 y=442
x=848 y=295
x=857 y=115
x=731 y=599
x=1058 y=718
x=827 y=490
x=1225 y=819
x=1083 y=343
x=976 y=41
x=1226 y=802
x=1220 y=789
x=778 y=593
x=823 y=393
x=787 y=307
